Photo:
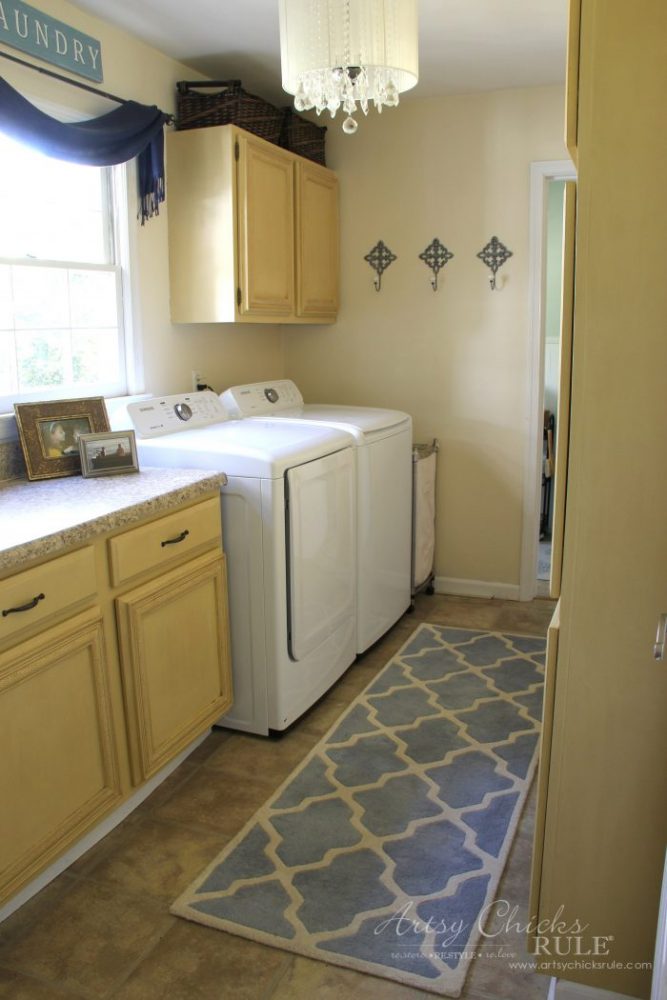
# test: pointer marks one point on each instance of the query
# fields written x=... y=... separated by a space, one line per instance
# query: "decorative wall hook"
x=435 y=256
x=494 y=255
x=380 y=257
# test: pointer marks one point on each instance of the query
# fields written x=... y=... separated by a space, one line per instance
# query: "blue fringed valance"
x=128 y=131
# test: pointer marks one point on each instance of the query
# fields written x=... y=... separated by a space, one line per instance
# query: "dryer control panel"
x=261 y=398
x=171 y=414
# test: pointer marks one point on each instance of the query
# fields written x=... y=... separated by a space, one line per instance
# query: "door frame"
x=541 y=172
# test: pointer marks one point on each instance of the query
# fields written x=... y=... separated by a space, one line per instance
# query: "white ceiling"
x=464 y=45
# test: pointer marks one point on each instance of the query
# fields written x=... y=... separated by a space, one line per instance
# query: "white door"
x=321 y=546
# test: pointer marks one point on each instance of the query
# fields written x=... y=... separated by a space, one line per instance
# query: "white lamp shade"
x=317 y=35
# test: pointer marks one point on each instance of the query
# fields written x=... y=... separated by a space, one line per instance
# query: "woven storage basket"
x=303 y=137
x=225 y=102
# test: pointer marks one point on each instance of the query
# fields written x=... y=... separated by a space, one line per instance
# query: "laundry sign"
x=25 y=28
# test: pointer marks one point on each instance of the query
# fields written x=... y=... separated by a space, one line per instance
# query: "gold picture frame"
x=49 y=433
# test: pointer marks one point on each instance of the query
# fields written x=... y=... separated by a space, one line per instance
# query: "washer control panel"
x=171 y=414
x=261 y=398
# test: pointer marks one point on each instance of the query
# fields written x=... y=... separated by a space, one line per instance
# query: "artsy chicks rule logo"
x=402 y=924
x=554 y=936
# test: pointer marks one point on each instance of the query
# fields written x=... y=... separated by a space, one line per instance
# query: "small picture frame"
x=109 y=454
x=49 y=433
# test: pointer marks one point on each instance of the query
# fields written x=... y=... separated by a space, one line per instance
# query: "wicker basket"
x=225 y=102
x=303 y=137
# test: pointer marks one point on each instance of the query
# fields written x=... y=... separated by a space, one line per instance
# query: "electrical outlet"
x=197 y=379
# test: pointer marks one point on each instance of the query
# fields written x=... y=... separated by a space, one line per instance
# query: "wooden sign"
x=25 y=28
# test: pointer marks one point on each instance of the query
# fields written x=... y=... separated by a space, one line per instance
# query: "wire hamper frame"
x=424 y=461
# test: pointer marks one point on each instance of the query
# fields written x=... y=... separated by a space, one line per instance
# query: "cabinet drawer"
x=161 y=542
x=29 y=598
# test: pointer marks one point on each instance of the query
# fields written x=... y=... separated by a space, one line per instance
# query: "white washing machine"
x=383 y=440
x=289 y=534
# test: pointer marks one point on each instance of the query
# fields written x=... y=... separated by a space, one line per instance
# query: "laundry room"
x=248 y=751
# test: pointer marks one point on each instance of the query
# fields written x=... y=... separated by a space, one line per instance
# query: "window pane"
x=94 y=357
x=7 y=363
x=6 y=311
x=50 y=209
x=41 y=358
x=40 y=297
x=92 y=298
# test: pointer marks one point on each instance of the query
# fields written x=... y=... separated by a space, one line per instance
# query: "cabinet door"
x=265 y=229
x=572 y=80
x=59 y=772
x=606 y=815
x=174 y=639
x=317 y=241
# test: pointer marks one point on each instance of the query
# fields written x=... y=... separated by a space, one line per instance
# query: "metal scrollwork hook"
x=380 y=257
x=435 y=256
x=494 y=255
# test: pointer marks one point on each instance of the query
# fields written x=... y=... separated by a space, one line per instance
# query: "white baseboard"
x=476 y=588
x=564 y=990
x=97 y=833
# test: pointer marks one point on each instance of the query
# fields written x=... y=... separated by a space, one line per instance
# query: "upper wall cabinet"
x=253 y=231
x=317 y=241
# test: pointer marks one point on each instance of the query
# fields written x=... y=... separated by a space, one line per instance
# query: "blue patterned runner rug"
x=382 y=849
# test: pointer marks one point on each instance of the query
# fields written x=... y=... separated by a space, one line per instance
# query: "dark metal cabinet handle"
x=174 y=541
x=24 y=607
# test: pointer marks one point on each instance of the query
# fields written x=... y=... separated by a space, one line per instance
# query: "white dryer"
x=383 y=440
x=289 y=534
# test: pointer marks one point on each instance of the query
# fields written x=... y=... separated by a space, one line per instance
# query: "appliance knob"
x=183 y=411
x=271 y=395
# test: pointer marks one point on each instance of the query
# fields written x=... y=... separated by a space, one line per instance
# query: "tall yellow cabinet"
x=253 y=231
x=602 y=823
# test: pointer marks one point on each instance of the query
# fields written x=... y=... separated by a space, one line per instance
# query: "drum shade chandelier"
x=347 y=53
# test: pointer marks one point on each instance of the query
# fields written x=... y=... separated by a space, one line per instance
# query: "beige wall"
x=456 y=168
x=167 y=354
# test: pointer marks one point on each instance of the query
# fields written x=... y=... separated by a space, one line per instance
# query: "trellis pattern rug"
x=382 y=849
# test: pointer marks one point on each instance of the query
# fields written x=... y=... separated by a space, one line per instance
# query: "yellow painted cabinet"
x=317 y=241
x=572 y=80
x=602 y=817
x=60 y=769
x=253 y=231
x=175 y=660
x=113 y=659
x=265 y=229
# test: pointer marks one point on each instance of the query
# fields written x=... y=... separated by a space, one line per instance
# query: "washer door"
x=321 y=549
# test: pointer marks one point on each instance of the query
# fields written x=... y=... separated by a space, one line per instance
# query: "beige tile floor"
x=103 y=928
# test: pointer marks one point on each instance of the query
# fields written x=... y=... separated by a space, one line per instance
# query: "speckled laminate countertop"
x=42 y=518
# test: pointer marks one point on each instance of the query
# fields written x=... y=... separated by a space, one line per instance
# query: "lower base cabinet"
x=58 y=739
x=113 y=659
x=175 y=660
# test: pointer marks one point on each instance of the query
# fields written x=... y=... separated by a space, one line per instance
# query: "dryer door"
x=321 y=549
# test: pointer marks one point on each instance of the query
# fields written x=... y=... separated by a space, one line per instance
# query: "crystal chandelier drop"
x=348 y=53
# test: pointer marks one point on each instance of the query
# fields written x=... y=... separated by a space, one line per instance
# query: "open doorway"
x=551 y=334
x=548 y=211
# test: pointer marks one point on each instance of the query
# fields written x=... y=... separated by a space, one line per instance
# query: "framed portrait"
x=50 y=432
x=108 y=454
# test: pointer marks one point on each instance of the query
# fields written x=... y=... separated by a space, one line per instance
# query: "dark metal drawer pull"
x=175 y=541
x=24 y=607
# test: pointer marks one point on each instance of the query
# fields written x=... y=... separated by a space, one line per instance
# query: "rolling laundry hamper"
x=423 y=516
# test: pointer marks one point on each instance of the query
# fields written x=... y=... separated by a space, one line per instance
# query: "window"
x=61 y=305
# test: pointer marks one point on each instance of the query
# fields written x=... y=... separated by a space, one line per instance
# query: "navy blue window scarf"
x=128 y=131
